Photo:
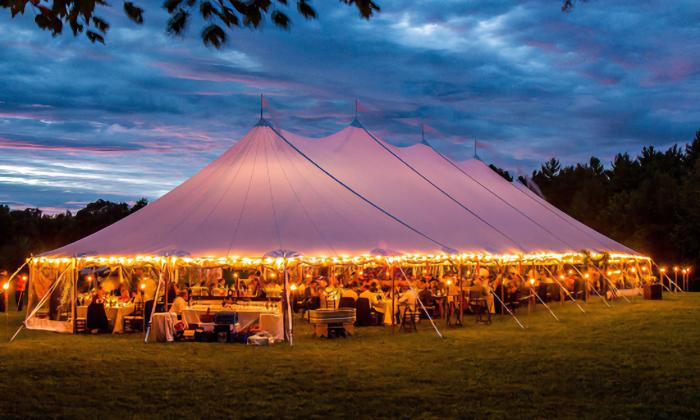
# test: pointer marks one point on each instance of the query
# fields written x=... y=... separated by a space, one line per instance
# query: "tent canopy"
x=278 y=194
x=261 y=197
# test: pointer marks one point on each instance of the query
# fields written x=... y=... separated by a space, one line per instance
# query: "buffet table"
x=267 y=315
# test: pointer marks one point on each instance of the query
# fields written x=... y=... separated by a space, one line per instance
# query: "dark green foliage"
x=51 y=15
x=29 y=231
x=502 y=172
x=650 y=202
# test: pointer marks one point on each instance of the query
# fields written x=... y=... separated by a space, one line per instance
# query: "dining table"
x=248 y=314
x=115 y=314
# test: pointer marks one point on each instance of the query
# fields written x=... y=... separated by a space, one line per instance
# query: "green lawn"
x=631 y=360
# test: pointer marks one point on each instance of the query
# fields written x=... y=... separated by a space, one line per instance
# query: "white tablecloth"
x=247 y=315
x=273 y=324
x=163 y=326
x=115 y=315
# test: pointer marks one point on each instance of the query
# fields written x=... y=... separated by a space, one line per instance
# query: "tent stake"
x=532 y=289
x=564 y=289
x=605 y=301
x=437 y=331
x=503 y=305
x=611 y=283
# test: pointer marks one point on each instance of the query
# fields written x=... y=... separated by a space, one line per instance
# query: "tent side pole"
x=393 y=298
x=155 y=304
x=287 y=309
x=74 y=300
x=41 y=302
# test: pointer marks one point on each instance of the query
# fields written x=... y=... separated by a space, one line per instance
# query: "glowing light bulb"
x=662 y=269
x=272 y=275
x=293 y=287
x=571 y=271
x=586 y=275
x=6 y=285
x=143 y=286
x=609 y=273
x=449 y=282
x=88 y=278
x=675 y=268
x=308 y=276
x=24 y=277
x=532 y=281
x=634 y=270
x=561 y=276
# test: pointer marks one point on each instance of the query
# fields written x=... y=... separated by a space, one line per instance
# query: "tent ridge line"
x=363 y=198
x=470 y=211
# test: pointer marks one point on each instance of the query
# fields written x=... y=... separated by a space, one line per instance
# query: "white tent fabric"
x=538 y=209
x=260 y=196
x=365 y=164
x=492 y=205
x=343 y=195
x=468 y=201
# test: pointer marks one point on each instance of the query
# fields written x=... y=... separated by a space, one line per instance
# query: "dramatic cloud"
x=138 y=116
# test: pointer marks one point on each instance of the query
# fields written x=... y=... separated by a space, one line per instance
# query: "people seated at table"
x=124 y=295
x=408 y=298
x=478 y=288
x=349 y=291
x=255 y=289
x=219 y=289
x=173 y=291
x=512 y=294
x=96 y=316
x=180 y=303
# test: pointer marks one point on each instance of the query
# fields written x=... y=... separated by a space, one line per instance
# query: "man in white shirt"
x=180 y=303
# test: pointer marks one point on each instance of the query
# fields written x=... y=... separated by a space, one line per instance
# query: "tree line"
x=30 y=231
x=650 y=202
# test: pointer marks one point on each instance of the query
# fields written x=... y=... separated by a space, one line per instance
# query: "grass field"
x=632 y=360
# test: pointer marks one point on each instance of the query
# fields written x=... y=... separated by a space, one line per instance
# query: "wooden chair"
x=81 y=325
x=346 y=302
x=408 y=319
x=81 y=320
x=135 y=321
x=428 y=302
x=479 y=306
x=366 y=315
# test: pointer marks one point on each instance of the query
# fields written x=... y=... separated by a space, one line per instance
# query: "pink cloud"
x=22 y=145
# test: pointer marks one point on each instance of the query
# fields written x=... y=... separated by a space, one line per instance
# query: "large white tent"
x=277 y=198
x=347 y=194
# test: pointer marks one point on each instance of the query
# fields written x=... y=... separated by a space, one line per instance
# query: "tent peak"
x=263 y=123
x=356 y=123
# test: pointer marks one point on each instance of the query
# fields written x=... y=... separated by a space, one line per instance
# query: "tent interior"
x=283 y=223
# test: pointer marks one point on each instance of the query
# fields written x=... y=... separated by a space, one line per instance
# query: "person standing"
x=20 y=287
x=4 y=291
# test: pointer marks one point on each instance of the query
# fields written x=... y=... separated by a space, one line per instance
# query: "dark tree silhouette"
x=82 y=16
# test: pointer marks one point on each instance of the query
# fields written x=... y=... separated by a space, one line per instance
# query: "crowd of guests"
x=497 y=287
